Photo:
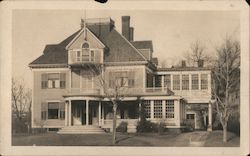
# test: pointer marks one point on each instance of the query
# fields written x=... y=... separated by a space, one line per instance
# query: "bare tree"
x=226 y=78
x=21 y=101
x=197 y=52
x=114 y=93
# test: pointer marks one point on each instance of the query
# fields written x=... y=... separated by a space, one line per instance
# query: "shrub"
x=234 y=124
x=122 y=127
x=161 y=127
x=188 y=125
x=148 y=126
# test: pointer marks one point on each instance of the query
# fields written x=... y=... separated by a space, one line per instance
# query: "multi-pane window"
x=85 y=55
x=53 y=110
x=167 y=81
x=185 y=82
x=121 y=79
x=169 y=108
x=157 y=109
x=147 y=108
x=53 y=80
x=176 y=82
x=195 y=81
x=204 y=81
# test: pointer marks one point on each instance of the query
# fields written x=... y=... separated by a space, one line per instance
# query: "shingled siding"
x=44 y=95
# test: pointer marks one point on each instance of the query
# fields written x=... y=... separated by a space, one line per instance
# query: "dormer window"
x=85 y=54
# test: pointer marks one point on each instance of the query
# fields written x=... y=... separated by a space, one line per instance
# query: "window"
x=157 y=109
x=167 y=81
x=147 y=108
x=169 y=108
x=190 y=116
x=176 y=82
x=53 y=80
x=121 y=79
x=85 y=45
x=204 y=81
x=53 y=110
x=185 y=82
x=85 y=55
x=195 y=82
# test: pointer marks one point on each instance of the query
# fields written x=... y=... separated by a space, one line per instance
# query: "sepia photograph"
x=138 y=78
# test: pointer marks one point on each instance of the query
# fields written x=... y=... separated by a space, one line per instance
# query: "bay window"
x=169 y=108
x=157 y=108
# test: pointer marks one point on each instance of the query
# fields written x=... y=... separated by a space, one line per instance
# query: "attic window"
x=85 y=45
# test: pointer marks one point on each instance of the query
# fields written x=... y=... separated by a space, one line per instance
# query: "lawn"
x=146 y=139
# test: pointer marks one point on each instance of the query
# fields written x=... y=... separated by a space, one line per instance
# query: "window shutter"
x=44 y=82
x=44 y=110
x=62 y=80
x=131 y=79
x=62 y=110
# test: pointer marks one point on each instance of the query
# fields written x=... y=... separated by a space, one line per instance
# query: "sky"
x=172 y=32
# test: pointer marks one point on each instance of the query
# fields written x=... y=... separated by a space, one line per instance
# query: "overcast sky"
x=171 y=31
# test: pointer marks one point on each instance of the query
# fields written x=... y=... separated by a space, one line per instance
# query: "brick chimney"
x=200 y=63
x=183 y=63
x=131 y=34
x=127 y=31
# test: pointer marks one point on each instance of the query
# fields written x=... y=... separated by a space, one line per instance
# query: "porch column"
x=140 y=111
x=99 y=113
x=162 y=83
x=70 y=113
x=163 y=109
x=209 y=128
x=66 y=113
x=87 y=112
x=102 y=113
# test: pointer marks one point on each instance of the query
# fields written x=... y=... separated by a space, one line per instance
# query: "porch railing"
x=122 y=91
x=82 y=91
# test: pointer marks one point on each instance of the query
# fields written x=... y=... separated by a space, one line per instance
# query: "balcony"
x=125 y=91
x=84 y=57
x=142 y=91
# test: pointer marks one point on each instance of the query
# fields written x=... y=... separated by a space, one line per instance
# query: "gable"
x=93 y=41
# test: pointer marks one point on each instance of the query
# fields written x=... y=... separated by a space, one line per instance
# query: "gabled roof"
x=118 y=49
x=143 y=45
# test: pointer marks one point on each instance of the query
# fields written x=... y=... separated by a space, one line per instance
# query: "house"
x=67 y=94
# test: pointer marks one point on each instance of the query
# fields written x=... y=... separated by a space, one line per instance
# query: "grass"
x=145 y=139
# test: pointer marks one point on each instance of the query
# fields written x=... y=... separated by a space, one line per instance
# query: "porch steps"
x=81 y=130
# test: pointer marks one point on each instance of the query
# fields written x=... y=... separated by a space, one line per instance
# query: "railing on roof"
x=77 y=58
x=122 y=91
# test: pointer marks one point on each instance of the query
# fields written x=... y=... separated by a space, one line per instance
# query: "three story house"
x=72 y=81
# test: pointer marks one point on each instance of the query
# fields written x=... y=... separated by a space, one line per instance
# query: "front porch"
x=96 y=112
